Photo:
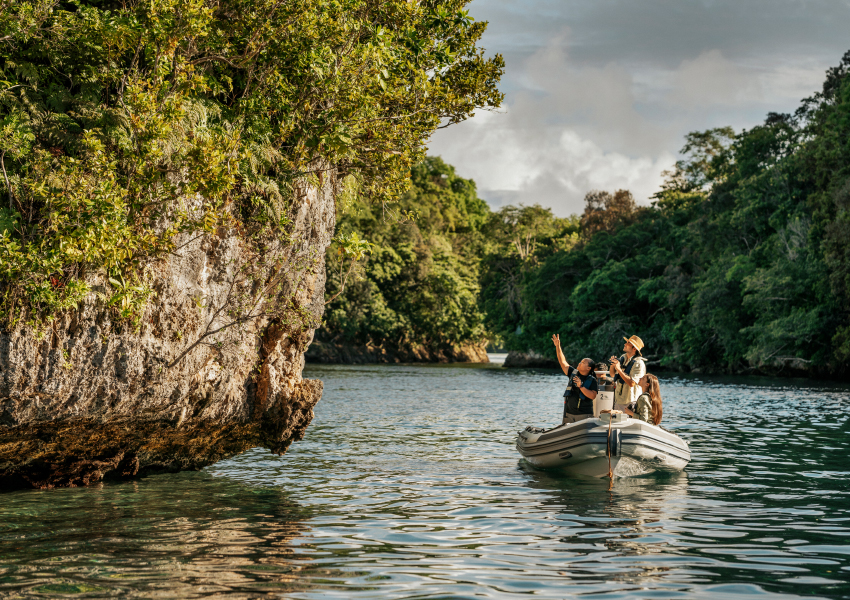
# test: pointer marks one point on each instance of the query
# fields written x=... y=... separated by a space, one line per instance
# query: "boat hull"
x=585 y=448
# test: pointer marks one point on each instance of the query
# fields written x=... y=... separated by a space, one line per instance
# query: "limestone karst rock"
x=84 y=397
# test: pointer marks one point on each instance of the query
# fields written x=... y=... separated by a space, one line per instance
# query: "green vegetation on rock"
x=126 y=124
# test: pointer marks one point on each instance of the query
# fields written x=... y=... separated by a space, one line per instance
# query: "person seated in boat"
x=627 y=371
x=582 y=389
x=648 y=406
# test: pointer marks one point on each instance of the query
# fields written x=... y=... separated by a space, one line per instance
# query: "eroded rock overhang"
x=85 y=397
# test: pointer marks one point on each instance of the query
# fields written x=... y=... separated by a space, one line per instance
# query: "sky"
x=599 y=94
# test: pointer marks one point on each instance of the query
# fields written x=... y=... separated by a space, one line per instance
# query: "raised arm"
x=589 y=393
x=565 y=366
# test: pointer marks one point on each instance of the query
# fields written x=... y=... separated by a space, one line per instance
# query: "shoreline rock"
x=327 y=353
x=87 y=398
x=529 y=360
x=782 y=367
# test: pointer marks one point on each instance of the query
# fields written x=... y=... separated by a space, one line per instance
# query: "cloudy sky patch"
x=599 y=93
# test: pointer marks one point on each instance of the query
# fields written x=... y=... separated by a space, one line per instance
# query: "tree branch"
x=6 y=177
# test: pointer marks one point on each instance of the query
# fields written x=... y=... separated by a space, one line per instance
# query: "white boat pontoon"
x=583 y=448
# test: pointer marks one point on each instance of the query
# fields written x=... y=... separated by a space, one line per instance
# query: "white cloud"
x=600 y=93
x=791 y=82
x=711 y=80
x=562 y=135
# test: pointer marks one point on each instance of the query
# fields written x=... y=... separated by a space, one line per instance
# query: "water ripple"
x=408 y=486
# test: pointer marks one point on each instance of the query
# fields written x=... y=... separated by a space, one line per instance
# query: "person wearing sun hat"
x=627 y=372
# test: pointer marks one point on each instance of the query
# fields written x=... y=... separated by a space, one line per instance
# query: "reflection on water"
x=408 y=486
x=171 y=536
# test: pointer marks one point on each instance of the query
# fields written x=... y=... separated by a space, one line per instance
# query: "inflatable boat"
x=630 y=446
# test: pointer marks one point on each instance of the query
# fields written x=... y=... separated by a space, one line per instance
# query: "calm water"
x=408 y=486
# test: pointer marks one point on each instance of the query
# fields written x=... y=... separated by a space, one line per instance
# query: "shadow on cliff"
x=84 y=451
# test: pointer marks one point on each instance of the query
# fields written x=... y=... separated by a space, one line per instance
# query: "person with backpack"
x=648 y=406
x=582 y=388
x=627 y=371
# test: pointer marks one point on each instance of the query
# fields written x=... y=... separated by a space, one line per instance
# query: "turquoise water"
x=408 y=486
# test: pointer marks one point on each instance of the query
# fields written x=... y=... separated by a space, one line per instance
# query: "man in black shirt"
x=583 y=387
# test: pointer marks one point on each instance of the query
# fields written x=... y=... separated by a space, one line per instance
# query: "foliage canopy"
x=125 y=124
x=419 y=285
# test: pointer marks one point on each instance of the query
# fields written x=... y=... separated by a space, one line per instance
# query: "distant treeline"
x=419 y=285
x=741 y=263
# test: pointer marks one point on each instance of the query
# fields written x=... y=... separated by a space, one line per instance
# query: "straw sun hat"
x=636 y=342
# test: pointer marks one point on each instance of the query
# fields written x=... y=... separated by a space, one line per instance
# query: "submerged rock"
x=85 y=397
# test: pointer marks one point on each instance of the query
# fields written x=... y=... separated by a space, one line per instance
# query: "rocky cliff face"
x=85 y=397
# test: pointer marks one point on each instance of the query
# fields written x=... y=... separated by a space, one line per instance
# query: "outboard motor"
x=605 y=398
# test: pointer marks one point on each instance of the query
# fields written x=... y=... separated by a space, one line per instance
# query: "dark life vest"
x=576 y=403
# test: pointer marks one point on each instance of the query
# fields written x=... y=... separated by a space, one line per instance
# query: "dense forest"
x=419 y=285
x=740 y=264
x=421 y=277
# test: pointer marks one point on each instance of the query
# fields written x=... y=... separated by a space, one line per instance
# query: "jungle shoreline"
x=796 y=368
x=349 y=354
